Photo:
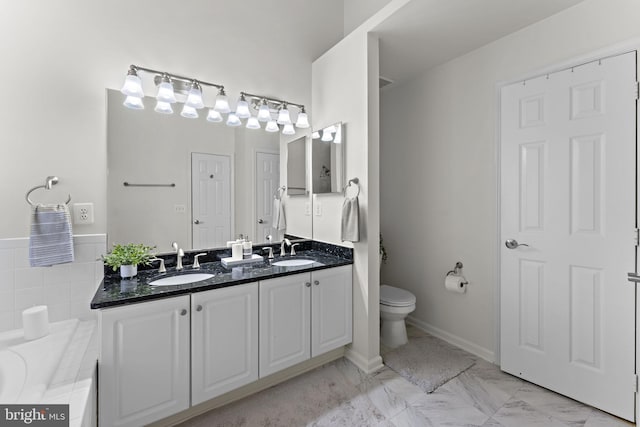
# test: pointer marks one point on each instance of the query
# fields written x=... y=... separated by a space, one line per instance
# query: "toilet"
x=395 y=305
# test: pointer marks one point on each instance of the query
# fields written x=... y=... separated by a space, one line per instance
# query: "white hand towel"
x=350 y=220
x=51 y=240
x=279 y=221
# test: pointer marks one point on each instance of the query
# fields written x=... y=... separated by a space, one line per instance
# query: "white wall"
x=59 y=56
x=438 y=165
x=344 y=88
x=358 y=11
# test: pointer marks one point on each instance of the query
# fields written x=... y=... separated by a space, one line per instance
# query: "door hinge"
x=636 y=236
x=635 y=383
x=637 y=90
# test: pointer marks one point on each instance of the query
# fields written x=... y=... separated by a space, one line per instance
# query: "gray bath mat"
x=428 y=362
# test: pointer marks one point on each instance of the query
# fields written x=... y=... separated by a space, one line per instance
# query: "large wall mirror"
x=297 y=167
x=188 y=180
x=327 y=159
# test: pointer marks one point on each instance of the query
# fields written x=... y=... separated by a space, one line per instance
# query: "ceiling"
x=426 y=33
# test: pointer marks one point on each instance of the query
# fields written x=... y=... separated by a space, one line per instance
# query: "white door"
x=267 y=181
x=211 y=200
x=284 y=322
x=144 y=362
x=224 y=340
x=331 y=318
x=568 y=192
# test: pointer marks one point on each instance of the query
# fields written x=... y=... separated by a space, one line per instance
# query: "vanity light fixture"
x=275 y=112
x=253 y=123
x=242 y=108
x=214 y=116
x=233 y=120
x=189 y=112
x=283 y=115
x=222 y=102
x=264 y=115
x=337 y=138
x=303 y=120
x=315 y=135
x=288 y=129
x=132 y=84
x=133 y=102
x=272 y=126
x=165 y=90
x=194 y=99
x=163 y=108
x=326 y=135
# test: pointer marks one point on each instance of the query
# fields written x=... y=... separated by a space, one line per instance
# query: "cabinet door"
x=331 y=312
x=284 y=322
x=144 y=361
x=224 y=340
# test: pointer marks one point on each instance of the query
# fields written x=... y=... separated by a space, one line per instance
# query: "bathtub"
x=58 y=368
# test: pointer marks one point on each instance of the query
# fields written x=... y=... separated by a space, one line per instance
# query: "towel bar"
x=355 y=181
x=50 y=182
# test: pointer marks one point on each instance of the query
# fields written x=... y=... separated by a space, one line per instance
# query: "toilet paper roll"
x=35 y=322
x=455 y=283
x=236 y=251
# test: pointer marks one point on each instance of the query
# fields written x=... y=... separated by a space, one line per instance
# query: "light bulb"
x=264 y=114
x=132 y=84
x=133 y=102
x=253 y=123
x=165 y=91
x=214 y=116
x=338 y=136
x=303 y=120
x=242 y=108
x=233 y=120
x=163 y=107
x=283 y=116
x=222 y=103
x=189 y=112
x=272 y=126
x=194 y=99
x=315 y=135
x=326 y=136
x=288 y=129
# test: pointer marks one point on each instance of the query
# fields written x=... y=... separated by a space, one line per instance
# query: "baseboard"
x=472 y=348
x=249 y=389
x=367 y=365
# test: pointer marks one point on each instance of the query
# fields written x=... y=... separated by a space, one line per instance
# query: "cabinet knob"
x=316 y=282
x=199 y=308
x=308 y=284
x=183 y=312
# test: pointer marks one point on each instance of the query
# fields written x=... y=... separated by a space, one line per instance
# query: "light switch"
x=318 y=208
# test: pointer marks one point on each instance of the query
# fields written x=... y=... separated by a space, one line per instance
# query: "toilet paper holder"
x=456 y=271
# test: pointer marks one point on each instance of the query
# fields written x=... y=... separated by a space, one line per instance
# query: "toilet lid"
x=396 y=297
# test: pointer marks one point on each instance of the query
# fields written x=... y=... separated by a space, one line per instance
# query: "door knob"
x=183 y=312
x=261 y=221
x=513 y=244
x=196 y=221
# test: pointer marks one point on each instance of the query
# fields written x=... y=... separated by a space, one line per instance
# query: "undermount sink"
x=293 y=262
x=181 y=279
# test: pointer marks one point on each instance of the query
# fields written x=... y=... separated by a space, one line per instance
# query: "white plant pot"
x=127 y=271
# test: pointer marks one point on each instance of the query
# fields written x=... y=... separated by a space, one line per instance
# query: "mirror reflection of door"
x=267 y=182
x=211 y=200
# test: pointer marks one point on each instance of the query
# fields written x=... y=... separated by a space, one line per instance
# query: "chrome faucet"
x=162 y=268
x=285 y=241
x=293 y=248
x=270 y=249
x=180 y=254
x=196 y=262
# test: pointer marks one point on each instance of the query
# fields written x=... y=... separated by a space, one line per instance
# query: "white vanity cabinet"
x=224 y=340
x=304 y=315
x=144 y=361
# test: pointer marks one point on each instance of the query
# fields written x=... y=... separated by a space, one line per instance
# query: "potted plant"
x=383 y=252
x=128 y=257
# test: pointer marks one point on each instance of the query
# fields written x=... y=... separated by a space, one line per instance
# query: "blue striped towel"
x=51 y=239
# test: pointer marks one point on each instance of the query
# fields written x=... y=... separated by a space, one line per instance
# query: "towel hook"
x=49 y=182
x=354 y=181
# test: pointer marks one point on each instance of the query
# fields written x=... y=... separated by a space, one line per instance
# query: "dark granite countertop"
x=115 y=291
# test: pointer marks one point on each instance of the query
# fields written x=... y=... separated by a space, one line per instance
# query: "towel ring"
x=50 y=182
x=354 y=181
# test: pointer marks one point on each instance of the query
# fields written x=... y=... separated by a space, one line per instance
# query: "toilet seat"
x=396 y=297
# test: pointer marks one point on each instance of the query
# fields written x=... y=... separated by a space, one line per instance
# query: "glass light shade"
x=337 y=139
x=214 y=116
x=222 y=104
x=303 y=121
x=253 y=123
x=264 y=115
x=165 y=93
x=133 y=102
x=189 y=112
x=242 y=109
x=194 y=99
x=315 y=135
x=272 y=126
x=132 y=86
x=326 y=136
x=163 y=107
x=233 y=120
x=283 y=117
x=330 y=129
x=288 y=129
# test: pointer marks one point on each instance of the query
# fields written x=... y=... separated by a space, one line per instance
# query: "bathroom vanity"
x=165 y=349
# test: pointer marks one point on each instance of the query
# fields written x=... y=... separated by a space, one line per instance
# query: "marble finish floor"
x=338 y=394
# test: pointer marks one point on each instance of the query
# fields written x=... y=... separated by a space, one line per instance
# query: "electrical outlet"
x=307 y=209
x=83 y=213
x=180 y=208
x=318 y=208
